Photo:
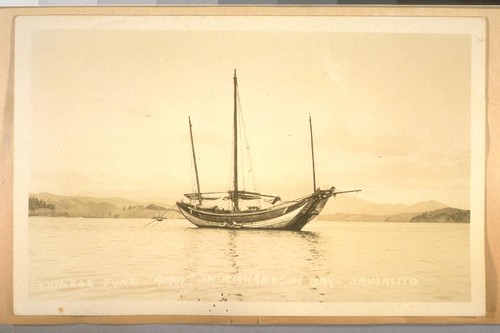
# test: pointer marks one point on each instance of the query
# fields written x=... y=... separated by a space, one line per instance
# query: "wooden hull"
x=288 y=216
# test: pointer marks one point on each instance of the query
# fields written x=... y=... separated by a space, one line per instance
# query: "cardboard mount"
x=492 y=237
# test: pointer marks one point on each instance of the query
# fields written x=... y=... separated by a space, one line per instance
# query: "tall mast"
x=235 y=122
x=194 y=159
x=312 y=153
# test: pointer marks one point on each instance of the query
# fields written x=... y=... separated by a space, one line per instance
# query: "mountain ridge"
x=349 y=204
x=87 y=206
x=341 y=208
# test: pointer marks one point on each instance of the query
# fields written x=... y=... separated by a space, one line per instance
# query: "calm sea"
x=123 y=259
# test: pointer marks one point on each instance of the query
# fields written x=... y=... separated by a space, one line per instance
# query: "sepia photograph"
x=249 y=165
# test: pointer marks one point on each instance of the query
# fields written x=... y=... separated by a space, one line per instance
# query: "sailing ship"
x=278 y=215
x=159 y=217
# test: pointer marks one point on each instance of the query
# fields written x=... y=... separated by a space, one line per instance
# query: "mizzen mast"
x=312 y=153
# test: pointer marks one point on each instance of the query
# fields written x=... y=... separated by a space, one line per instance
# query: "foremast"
x=198 y=193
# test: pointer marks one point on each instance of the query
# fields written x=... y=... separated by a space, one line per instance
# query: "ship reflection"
x=257 y=250
x=253 y=264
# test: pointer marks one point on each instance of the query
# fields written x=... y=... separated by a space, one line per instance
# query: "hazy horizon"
x=391 y=111
x=172 y=200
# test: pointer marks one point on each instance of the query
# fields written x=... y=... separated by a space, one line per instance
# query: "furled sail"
x=246 y=195
x=206 y=196
x=242 y=195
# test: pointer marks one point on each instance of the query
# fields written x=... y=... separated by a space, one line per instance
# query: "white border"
x=475 y=27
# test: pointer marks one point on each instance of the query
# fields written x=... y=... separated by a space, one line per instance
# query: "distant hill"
x=447 y=214
x=351 y=208
x=60 y=205
x=341 y=208
x=350 y=204
x=444 y=215
x=403 y=217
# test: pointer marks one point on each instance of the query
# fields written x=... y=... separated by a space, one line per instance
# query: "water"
x=124 y=260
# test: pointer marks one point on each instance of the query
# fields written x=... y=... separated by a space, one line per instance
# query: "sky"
x=108 y=111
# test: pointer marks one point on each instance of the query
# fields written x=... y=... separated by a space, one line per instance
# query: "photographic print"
x=249 y=165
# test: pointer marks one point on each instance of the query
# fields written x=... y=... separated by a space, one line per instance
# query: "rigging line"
x=230 y=175
x=241 y=138
x=247 y=143
x=155 y=222
x=171 y=209
x=247 y=146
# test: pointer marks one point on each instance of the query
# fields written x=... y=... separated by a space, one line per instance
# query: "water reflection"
x=231 y=252
x=175 y=262
x=273 y=252
x=225 y=251
x=314 y=241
